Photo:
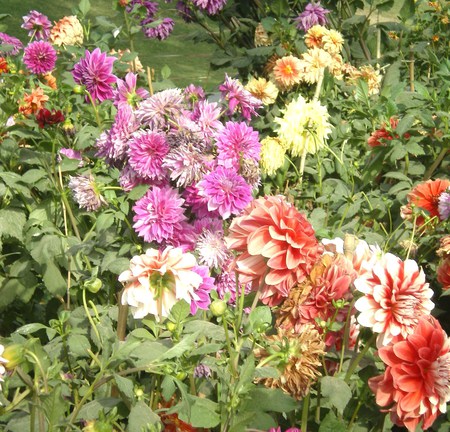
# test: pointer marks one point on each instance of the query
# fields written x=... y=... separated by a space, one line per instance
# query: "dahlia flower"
x=272 y=155
x=146 y=152
x=161 y=31
x=127 y=93
x=304 y=126
x=395 y=297
x=444 y=246
x=225 y=191
x=265 y=91
x=206 y=115
x=277 y=247
x=239 y=99
x=46 y=117
x=314 y=36
x=333 y=41
x=16 y=44
x=129 y=179
x=86 y=192
x=33 y=102
x=156 y=280
x=158 y=214
x=443 y=273
x=378 y=137
x=444 y=205
x=67 y=31
x=94 y=71
x=39 y=57
x=200 y=297
x=301 y=355
x=212 y=7
x=312 y=64
x=287 y=71
x=415 y=386
x=312 y=15
x=38 y=25
x=211 y=249
x=426 y=195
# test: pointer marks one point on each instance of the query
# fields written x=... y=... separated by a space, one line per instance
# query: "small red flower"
x=380 y=136
x=3 y=66
x=46 y=117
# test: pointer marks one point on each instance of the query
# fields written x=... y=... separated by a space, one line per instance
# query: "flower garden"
x=271 y=255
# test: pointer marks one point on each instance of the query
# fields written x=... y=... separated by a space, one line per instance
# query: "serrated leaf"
x=260 y=318
x=397 y=175
x=403 y=185
x=12 y=222
x=125 y=386
x=168 y=387
x=414 y=148
x=141 y=416
x=53 y=279
x=270 y=400
x=78 y=345
x=181 y=347
x=54 y=407
x=204 y=413
x=337 y=390
x=179 y=312
x=33 y=175
x=404 y=125
x=331 y=424
x=165 y=72
x=92 y=410
x=407 y=10
x=84 y=7
x=48 y=247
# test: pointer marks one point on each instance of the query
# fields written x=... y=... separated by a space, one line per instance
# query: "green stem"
x=88 y=314
x=358 y=358
x=94 y=106
x=411 y=241
x=305 y=411
x=435 y=164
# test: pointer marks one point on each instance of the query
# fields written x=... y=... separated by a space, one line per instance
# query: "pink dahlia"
x=38 y=25
x=314 y=14
x=200 y=297
x=210 y=6
x=277 y=247
x=146 y=152
x=207 y=116
x=94 y=71
x=236 y=143
x=161 y=31
x=415 y=386
x=158 y=214
x=13 y=45
x=226 y=191
x=157 y=280
x=39 y=57
x=127 y=93
x=395 y=297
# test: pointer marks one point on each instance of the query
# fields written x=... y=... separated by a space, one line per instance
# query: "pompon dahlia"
x=94 y=71
x=225 y=191
x=272 y=155
x=146 y=151
x=415 y=386
x=157 y=280
x=86 y=192
x=301 y=355
x=426 y=195
x=395 y=297
x=158 y=214
x=265 y=91
x=39 y=57
x=277 y=247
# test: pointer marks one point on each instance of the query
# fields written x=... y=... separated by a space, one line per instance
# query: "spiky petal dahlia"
x=415 y=386
x=395 y=297
x=426 y=195
x=277 y=245
x=157 y=280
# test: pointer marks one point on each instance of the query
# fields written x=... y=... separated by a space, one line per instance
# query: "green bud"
x=171 y=326
x=14 y=354
x=181 y=375
x=78 y=89
x=218 y=307
x=93 y=285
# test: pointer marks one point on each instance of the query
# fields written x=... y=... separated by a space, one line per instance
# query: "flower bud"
x=93 y=285
x=218 y=307
x=78 y=89
x=14 y=355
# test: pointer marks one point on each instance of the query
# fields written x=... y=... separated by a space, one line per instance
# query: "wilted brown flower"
x=300 y=360
x=67 y=31
x=261 y=36
x=444 y=249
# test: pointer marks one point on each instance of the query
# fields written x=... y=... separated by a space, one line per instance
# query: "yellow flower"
x=272 y=155
x=287 y=71
x=373 y=78
x=314 y=36
x=304 y=126
x=333 y=41
x=313 y=62
x=265 y=91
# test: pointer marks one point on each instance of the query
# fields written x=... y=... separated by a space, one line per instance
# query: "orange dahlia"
x=33 y=102
x=287 y=71
x=443 y=273
x=277 y=247
x=416 y=383
x=426 y=195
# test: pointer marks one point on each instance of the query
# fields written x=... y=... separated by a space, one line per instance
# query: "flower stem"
x=305 y=411
x=358 y=358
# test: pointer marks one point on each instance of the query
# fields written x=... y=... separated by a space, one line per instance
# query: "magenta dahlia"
x=39 y=57
x=94 y=71
x=38 y=25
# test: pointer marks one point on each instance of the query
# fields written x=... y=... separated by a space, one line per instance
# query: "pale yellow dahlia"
x=67 y=31
x=337 y=66
x=304 y=125
x=287 y=71
x=333 y=41
x=272 y=155
x=373 y=78
x=313 y=62
x=314 y=36
x=265 y=91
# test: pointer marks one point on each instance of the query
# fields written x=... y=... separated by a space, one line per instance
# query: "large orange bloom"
x=33 y=102
x=277 y=244
x=395 y=297
x=416 y=383
x=426 y=195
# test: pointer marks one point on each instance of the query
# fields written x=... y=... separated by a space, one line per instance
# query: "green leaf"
x=181 y=347
x=125 y=386
x=53 y=279
x=204 y=412
x=270 y=400
x=260 y=318
x=337 y=390
x=79 y=345
x=47 y=248
x=407 y=10
x=92 y=410
x=414 y=148
x=12 y=222
x=84 y=7
x=168 y=387
x=392 y=75
x=141 y=416
x=138 y=192
x=30 y=328
x=165 y=72
x=398 y=152
x=398 y=175
x=179 y=312
x=362 y=92
x=402 y=185
x=331 y=424
x=33 y=175
x=404 y=125
x=54 y=407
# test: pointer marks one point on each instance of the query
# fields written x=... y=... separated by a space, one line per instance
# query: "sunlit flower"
x=39 y=57
x=211 y=249
x=312 y=15
x=86 y=192
x=50 y=80
x=443 y=273
x=67 y=31
x=200 y=297
x=225 y=191
x=158 y=214
x=426 y=195
x=277 y=247
x=38 y=25
x=395 y=297
x=372 y=76
x=127 y=93
x=287 y=71
x=94 y=71
x=15 y=44
x=265 y=91
x=381 y=135
x=304 y=126
x=4 y=68
x=193 y=94
x=300 y=359
x=314 y=36
x=33 y=102
x=157 y=280
x=272 y=155
x=444 y=246
x=313 y=62
x=415 y=386
x=444 y=205
x=332 y=41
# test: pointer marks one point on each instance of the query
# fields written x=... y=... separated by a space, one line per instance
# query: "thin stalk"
x=305 y=411
x=411 y=241
x=122 y=319
x=358 y=358
x=91 y=321
x=435 y=164
x=94 y=106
